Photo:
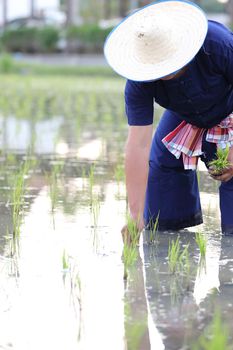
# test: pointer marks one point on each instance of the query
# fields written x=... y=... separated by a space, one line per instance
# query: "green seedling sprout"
x=134 y=234
x=52 y=179
x=154 y=230
x=130 y=250
x=221 y=162
x=95 y=208
x=12 y=246
x=130 y=256
x=184 y=261
x=119 y=173
x=78 y=293
x=18 y=199
x=201 y=268
x=179 y=266
x=216 y=336
x=65 y=263
x=91 y=179
x=178 y=260
x=78 y=286
x=53 y=187
x=201 y=242
x=173 y=255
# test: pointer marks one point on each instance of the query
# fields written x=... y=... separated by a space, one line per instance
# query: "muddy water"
x=63 y=288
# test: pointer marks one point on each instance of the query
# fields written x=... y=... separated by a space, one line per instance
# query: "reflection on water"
x=84 y=303
x=19 y=135
x=90 y=298
x=39 y=294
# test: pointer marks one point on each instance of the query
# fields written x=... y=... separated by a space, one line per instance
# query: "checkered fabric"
x=186 y=140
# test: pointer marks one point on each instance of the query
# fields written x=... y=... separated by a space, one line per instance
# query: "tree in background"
x=229 y=8
x=4 y=12
x=32 y=8
x=107 y=9
x=123 y=7
x=91 y=11
x=72 y=9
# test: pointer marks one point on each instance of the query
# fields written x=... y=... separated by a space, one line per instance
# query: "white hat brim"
x=190 y=27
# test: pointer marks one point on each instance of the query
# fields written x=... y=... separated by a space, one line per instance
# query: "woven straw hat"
x=156 y=40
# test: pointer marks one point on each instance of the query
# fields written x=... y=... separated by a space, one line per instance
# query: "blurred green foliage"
x=7 y=64
x=48 y=38
x=85 y=38
x=88 y=37
x=30 y=39
x=212 y=6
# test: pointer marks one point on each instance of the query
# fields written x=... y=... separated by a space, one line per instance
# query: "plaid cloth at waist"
x=186 y=140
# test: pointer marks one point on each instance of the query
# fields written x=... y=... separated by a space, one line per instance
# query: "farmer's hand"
x=227 y=173
x=129 y=237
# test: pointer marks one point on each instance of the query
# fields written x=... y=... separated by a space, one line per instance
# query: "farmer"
x=171 y=55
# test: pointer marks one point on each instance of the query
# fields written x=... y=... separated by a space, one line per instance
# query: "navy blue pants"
x=172 y=193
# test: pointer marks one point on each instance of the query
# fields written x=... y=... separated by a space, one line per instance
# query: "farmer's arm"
x=136 y=168
x=139 y=110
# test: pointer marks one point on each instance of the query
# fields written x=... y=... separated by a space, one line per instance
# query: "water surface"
x=61 y=285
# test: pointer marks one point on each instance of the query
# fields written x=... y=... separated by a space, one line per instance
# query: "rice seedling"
x=215 y=337
x=12 y=244
x=179 y=266
x=78 y=285
x=91 y=177
x=178 y=260
x=173 y=255
x=72 y=282
x=132 y=234
x=201 y=242
x=185 y=261
x=221 y=162
x=95 y=209
x=11 y=255
x=65 y=262
x=52 y=179
x=18 y=198
x=201 y=268
x=130 y=256
x=119 y=173
x=153 y=230
x=53 y=184
x=131 y=237
x=78 y=292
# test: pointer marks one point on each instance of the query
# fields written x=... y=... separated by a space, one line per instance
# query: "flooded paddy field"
x=62 y=206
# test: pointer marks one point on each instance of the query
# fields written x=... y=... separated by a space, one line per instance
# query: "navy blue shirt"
x=202 y=95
